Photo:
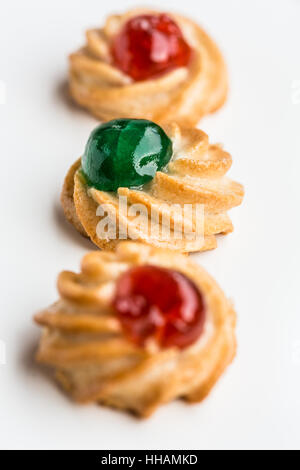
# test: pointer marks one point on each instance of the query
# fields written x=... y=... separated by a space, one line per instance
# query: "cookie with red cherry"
x=137 y=328
x=148 y=64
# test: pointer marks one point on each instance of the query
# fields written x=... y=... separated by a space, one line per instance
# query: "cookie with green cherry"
x=161 y=184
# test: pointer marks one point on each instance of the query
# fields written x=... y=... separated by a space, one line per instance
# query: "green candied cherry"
x=125 y=153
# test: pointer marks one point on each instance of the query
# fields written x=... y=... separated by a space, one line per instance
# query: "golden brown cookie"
x=84 y=339
x=184 y=94
x=195 y=177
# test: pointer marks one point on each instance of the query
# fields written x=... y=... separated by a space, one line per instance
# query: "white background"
x=256 y=404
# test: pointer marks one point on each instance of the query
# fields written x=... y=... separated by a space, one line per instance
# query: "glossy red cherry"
x=150 y=45
x=159 y=303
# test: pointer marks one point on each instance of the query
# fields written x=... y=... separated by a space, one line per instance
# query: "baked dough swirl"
x=195 y=175
x=184 y=94
x=83 y=339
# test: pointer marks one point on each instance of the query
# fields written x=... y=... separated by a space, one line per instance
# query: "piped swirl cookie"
x=147 y=64
x=137 y=328
x=166 y=187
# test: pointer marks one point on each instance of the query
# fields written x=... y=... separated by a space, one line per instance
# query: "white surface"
x=256 y=404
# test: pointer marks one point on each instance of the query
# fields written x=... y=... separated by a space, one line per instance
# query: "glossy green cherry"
x=125 y=153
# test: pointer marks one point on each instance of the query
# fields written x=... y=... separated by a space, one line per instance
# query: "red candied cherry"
x=150 y=45
x=160 y=304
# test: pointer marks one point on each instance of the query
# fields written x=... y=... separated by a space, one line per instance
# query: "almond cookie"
x=137 y=328
x=148 y=64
